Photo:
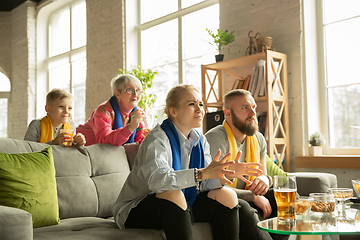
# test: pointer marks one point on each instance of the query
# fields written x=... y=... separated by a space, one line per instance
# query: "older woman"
x=118 y=120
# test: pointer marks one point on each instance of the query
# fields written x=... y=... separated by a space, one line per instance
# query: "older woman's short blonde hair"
x=175 y=95
x=121 y=80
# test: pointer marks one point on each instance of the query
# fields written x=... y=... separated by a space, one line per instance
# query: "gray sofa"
x=89 y=180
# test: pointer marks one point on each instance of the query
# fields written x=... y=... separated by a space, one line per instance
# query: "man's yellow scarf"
x=252 y=150
x=46 y=129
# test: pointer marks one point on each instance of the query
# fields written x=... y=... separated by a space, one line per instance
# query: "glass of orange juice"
x=68 y=134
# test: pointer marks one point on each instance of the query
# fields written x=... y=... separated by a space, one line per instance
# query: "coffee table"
x=310 y=229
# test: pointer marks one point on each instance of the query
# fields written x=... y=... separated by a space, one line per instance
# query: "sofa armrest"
x=314 y=182
x=15 y=224
x=131 y=150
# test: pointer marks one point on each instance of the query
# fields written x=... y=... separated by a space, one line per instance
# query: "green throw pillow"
x=27 y=181
x=273 y=169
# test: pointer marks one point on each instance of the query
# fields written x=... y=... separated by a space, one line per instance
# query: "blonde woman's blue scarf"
x=197 y=158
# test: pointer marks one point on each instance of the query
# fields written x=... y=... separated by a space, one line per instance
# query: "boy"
x=59 y=104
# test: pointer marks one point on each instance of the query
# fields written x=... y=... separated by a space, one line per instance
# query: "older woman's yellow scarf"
x=46 y=129
x=252 y=150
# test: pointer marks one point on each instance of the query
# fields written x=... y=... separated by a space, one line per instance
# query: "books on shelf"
x=262 y=92
x=260 y=78
x=252 y=80
x=256 y=83
x=241 y=84
x=238 y=84
x=246 y=82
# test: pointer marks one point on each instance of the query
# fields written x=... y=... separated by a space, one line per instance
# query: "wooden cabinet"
x=218 y=78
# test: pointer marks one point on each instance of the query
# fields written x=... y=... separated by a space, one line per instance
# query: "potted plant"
x=146 y=77
x=220 y=40
x=316 y=141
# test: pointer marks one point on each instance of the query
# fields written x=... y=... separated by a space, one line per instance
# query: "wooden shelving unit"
x=275 y=103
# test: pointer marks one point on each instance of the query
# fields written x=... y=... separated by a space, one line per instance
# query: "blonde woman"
x=174 y=181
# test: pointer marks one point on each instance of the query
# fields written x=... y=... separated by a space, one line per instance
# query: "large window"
x=340 y=28
x=173 y=42
x=66 y=63
x=4 y=96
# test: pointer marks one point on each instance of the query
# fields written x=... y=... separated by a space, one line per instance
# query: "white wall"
x=20 y=66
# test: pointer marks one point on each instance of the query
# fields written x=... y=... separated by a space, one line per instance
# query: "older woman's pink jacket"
x=98 y=128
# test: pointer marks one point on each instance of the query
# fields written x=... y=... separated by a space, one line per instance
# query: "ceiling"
x=8 y=5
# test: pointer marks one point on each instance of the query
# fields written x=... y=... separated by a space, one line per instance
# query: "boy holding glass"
x=55 y=128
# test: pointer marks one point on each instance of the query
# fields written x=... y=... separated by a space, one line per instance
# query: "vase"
x=315 y=150
x=219 y=57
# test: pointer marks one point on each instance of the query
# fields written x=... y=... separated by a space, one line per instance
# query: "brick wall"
x=281 y=21
x=104 y=49
x=22 y=95
x=5 y=39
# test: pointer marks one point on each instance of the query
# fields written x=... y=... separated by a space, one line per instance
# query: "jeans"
x=248 y=223
x=269 y=196
x=155 y=213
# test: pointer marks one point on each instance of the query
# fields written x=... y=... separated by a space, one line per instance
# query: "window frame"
x=6 y=95
x=144 y=26
x=45 y=16
x=323 y=97
x=133 y=32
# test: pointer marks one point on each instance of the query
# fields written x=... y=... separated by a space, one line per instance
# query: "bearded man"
x=239 y=132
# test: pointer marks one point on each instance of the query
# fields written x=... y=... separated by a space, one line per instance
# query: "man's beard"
x=243 y=127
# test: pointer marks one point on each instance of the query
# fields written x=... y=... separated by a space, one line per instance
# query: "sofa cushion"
x=27 y=181
x=314 y=182
x=89 y=179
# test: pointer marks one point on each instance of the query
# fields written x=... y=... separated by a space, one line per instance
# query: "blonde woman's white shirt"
x=153 y=173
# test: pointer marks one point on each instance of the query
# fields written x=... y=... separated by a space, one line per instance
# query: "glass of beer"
x=285 y=196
